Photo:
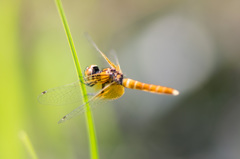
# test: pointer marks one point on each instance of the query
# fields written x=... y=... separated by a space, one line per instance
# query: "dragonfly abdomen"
x=133 y=84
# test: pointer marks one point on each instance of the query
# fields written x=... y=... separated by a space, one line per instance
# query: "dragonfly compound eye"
x=92 y=69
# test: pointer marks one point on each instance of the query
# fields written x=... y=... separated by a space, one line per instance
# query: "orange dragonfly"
x=111 y=81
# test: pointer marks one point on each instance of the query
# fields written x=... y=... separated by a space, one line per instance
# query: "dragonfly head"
x=91 y=70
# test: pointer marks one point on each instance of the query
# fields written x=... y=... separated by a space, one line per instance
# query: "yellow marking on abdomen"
x=132 y=84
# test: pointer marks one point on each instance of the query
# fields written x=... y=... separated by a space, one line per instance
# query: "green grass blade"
x=88 y=114
x=27 y=143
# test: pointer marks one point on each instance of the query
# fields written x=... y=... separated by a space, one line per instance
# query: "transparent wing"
x=65 y=94
x=96 y=47
x=82 y=107
x=71 y=93
x=114 y=54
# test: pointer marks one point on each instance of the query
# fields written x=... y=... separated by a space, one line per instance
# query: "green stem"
x=26 y=141
x=88 y=113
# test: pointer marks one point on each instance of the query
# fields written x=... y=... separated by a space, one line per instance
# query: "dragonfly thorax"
x=94 y=76
x=115 y=76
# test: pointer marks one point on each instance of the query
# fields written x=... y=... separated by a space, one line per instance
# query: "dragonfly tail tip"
x=175 y=92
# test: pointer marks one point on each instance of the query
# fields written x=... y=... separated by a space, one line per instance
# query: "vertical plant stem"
x=88 y=113
x=27 y=143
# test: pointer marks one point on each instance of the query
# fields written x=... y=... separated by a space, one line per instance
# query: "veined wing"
x=70 y=93
x=82 y=108
x=114 y=54
x=65 y=94
x=96 y=47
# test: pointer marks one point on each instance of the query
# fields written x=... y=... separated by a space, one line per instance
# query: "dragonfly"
x=109 y=83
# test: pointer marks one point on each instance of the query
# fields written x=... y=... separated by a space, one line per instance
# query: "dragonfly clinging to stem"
x=112 y=83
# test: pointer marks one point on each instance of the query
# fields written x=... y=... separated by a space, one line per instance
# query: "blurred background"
x=192 y=46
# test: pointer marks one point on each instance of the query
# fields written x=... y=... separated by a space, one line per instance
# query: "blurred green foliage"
x=192 y=46
x=12 y=95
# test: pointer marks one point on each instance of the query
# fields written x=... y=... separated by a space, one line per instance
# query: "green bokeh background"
x=193 y=46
